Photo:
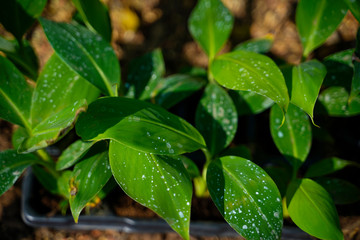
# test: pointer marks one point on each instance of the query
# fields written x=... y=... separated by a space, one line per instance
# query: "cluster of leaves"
x=133 y=138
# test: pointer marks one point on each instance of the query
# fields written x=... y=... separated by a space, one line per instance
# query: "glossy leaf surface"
x=175 y=88
x=161 y=184
x=96 y=17
x=86 y=53
x=250 y=71
x=248 y=103
x=216 y=118
x=210 y=24
x=138 y=125
x=73 y=154
x=341 y=191
x=311 y=208
x=293 y=138
x=190 y=167
x=89 y=177
x=144 y=74
x=317 y=20
x=15 y=95
x=12 y=166
x=246 y=197
x=306 y=82
x=258 y=45
x=334 y=102
x=327 y=166
x=354 y=6
x=18 y=15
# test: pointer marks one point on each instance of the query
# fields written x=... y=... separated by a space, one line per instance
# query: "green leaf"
x=216 y=118
x=246 y=197
x=327 y=166
x=258 y=45
x=305 y=87
x=354 y=6
x=73 y=154
x=18 y=137
x=89 y=177
x=175 y=88
x=18 y=15
x=86 y=53
x=293 y=138
x=355 y=84
x=96 y=17
x=161 y=183
x=12 y=165
x=249 y=103
x=190 y=167
x=317 y=20
x=248 y=71
x=144 y=75
x=60 y=95
x=281 y=176
x=339 y=69
x=139 y=125
x=311 y=208
x=210 y=24
x=334 y=102
x=15 y=95
x=23 y=57
x=342 y=192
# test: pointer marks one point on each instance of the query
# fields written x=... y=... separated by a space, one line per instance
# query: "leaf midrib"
x=250 y=197
x=260 y=77
x=88 y=55
x=17 y=111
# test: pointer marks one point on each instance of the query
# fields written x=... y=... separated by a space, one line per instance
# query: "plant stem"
x=201 y=189
x=47 y=162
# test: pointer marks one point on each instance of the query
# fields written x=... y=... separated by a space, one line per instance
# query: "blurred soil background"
x=140 y=26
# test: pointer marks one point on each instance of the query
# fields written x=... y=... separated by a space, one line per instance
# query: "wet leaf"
x=311 y=208
x=60 y=95
x=23 y=57
x=246 y=197
x=210 y=24
x=53 y=128
x=73 y=154
x=258 y=45
x=89 y=177
x=216 y=118
x=339 y=69
x=18 y=15
x=175 y=88
x=86 y=53
x=293 y=138
x=15 y=95
x=248 y=71
x=96 y=17
x=139 y=125
x=334 y=102
x=341 y=191
x=328 y=166
x=12 y=166
x=161 y=184
x=305 y=87
x=144 y=74
x=354 y=6
x=249 y=103
x=317 y=20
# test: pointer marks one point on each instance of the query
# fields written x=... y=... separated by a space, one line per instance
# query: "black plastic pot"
x=33 y=218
